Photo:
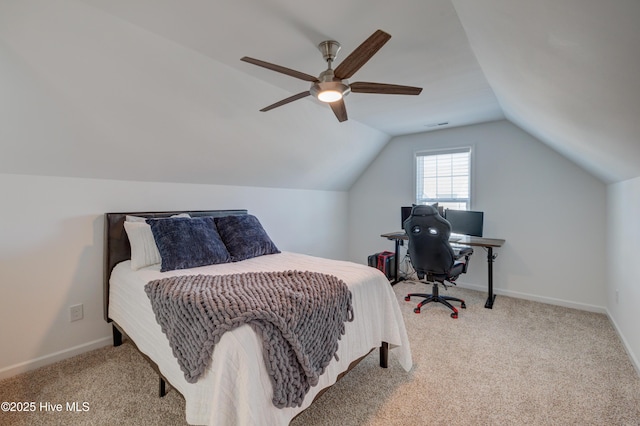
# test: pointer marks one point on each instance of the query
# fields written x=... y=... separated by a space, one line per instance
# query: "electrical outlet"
x=76 y=313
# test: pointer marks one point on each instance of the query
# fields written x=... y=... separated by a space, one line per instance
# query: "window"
x=444 y=177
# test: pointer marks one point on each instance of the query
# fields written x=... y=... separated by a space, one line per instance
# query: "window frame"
x=440 y=151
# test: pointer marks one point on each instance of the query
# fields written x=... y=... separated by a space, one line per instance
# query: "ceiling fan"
x=331 y=86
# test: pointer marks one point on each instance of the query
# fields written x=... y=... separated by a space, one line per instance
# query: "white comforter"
x=236 y=389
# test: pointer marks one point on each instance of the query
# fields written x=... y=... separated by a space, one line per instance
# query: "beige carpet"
x=520 y=363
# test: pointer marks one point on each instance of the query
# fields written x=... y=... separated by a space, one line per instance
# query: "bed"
x=235 y=388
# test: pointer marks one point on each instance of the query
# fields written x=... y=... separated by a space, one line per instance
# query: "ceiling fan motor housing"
x=329 y=49
x=328 y=82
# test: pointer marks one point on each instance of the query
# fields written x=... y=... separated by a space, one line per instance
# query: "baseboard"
x=565 y=303
x=632 y=356
x=534 y=298
x=23 y=367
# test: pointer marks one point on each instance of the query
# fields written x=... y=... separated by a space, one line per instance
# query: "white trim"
x=565 y=303
x=446 y=150
x=534 y=298
x=632 y=357
x=23 y=367
x=472 y=176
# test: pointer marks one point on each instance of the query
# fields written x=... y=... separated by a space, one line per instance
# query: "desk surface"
x=465 y=240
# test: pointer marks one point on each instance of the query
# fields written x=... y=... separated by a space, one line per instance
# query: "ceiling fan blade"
x=339 y=109
x=286 y=101
x=280 y=69
x=383 y=88
x=361 y=55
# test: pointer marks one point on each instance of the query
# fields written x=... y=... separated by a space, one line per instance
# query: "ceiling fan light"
x=329 y=91
x=329 y=96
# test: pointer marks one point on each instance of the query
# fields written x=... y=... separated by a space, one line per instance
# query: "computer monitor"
x=465 y=222
x=405 y=212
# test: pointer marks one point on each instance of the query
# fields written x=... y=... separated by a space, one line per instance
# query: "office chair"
x=432 y=256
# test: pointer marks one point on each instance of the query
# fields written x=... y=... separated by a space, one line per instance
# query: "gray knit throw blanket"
x=300 y=316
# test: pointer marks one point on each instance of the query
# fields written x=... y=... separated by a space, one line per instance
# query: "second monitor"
x=465 y=222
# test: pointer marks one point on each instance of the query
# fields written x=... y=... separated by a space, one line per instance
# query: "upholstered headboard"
x=116 y=242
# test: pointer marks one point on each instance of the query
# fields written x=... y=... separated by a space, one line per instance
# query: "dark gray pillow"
x=188 y=243
x=244 y=237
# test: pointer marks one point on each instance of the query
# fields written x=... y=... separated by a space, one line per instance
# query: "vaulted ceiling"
x=155 y=90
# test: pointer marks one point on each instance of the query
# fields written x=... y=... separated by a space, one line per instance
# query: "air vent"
x=444 y=123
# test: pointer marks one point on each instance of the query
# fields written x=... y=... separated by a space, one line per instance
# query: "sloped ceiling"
x=568 y=72
x=154 y=89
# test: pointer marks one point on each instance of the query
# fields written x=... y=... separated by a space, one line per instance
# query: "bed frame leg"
x=384 y=355
x=117 y=336
x=162 y=390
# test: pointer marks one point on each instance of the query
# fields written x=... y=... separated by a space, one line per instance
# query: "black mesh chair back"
x=432 y=256
x=429 y=247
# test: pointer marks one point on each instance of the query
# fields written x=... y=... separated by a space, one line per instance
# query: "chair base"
x=436 y=298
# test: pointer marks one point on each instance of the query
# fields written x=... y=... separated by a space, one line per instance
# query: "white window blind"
x=444 y=177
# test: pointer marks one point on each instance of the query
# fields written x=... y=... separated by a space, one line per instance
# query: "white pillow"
x=129 y=218
x=135 y=219
x=144 y=251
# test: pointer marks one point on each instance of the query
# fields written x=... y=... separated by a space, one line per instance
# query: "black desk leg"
x=490 y=258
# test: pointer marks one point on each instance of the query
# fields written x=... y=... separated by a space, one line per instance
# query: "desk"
x=488 y=243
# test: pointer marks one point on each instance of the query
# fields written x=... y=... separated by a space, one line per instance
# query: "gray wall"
x=623 y=276
x=51 y=247
x=550 y=212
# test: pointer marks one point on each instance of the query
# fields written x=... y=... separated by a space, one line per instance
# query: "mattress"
x=235 y=389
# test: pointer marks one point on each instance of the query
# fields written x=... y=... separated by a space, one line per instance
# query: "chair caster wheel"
x=416 y=310
x=407 y=298
x=454 y=315
x=463 y=306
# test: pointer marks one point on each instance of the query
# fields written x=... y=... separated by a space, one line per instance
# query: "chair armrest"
x=464 y=252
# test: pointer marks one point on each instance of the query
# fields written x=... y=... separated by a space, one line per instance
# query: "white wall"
x=51 y=248
x=550 y=212
x=623 y=276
